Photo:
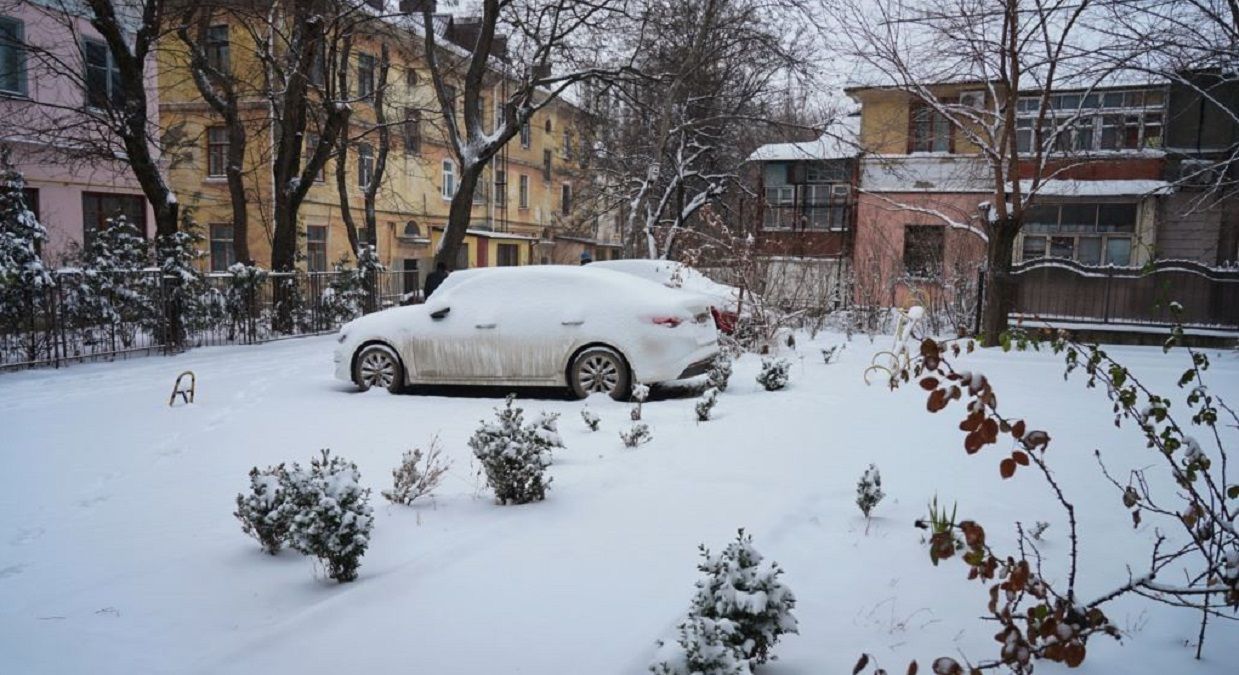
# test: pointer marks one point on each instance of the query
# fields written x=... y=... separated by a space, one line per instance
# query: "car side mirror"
x=440 y=313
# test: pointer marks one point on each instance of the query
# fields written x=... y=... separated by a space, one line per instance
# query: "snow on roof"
x=838 y=141
x=1100 y=188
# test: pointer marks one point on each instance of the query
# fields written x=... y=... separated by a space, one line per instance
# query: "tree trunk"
x=999 y=284
x=236 y=191
x=458 y=217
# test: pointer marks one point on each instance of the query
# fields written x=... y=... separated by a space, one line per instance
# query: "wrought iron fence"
x=1066 y=291
x=91 y=315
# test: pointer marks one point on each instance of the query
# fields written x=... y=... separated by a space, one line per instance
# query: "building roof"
x=838 y=141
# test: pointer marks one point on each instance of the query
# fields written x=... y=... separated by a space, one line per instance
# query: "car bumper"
x=698 y=367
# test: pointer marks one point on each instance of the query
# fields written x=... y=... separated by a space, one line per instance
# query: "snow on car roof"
x=552 y=279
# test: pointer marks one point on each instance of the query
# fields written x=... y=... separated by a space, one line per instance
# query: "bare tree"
x=378 y=169
x=714 y=74
x=541 y=36
x=1011 y=51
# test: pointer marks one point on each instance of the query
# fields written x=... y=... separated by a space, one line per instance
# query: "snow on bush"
x=418 y=474
x=720 y=371
x=261 y=511
x=592 y=420
x=329 y=514
x=702 y=648
x=514 y=456
x=546 y=430
x=740 y=604
x=637 y=434
x=869 y=491
x=831 y=354
x=706 y=404
x=774 y=373
x=640 y=392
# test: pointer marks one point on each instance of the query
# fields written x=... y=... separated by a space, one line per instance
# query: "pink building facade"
x=50 y=68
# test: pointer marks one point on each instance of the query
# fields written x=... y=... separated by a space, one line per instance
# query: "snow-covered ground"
x=119 y=552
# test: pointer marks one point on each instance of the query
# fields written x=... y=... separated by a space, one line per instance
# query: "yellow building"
x=525 y=200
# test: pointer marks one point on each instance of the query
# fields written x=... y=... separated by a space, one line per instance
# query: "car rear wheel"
x=378 y=366
x=600 y=370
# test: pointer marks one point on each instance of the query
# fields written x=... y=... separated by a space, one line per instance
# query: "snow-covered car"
x=594 y=330
x=725 y=301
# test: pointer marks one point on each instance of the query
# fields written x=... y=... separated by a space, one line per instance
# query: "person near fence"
x=434 y=279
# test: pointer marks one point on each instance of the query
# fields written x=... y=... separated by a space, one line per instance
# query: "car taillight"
x=668 y=321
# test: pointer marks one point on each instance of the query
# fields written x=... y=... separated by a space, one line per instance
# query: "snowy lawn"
x=119 y=552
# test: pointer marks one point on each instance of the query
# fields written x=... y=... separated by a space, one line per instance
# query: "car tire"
x=378 y=366
x=600 y=370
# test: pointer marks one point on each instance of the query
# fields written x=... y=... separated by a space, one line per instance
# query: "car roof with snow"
x=557 y=279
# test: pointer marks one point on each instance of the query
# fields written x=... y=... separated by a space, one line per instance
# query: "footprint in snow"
x=26 y=535
x=11 y=571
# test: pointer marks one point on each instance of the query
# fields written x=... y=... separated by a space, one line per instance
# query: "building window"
x=548 y=125
x=365 y=165
x=449 y=179
x=567 y=145
x=99 y=207
x=525 y=135
x=1090 y=234
x=508 y=255
x=102 y=74
x=316 y=248
x=923 y=248
x=814 y=206
x=501 y=188
x=217 y=49
x=223 y=247
x=523 y=192
x=500 y=116
x=411 y=277
x=12 y=56
x=410 y=80
x=565 y=199
x=1113 y=120
x=412 y=230
x=929 y=130
x=217 y=152
x=412 y=131
x=546 y=166
x=365 y=77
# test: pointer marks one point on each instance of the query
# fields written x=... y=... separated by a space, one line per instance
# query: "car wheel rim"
x=378 y=369
x=599 y=374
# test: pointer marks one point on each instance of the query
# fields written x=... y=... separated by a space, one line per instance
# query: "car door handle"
x=571 y=323
x=485 y=326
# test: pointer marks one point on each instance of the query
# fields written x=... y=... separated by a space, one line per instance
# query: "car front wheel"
x=378 y=366
x=600 y=370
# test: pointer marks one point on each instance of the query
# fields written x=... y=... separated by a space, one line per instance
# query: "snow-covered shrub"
x=546 y=430
x=720 y=371
x=261 y=511
x=703 y=647
x=869 y=490
x=241 y=300
x=1038 y=529
x=329 y=514
x=113 y=287
x=23 y=276
x=706 y=404
x=514 y=456
x=774 y=373
x=184 y=291
x=638 y=434
x=592 y=420
x=640 y=392
x=741 y=603
x=418 y=474
x=831 y=354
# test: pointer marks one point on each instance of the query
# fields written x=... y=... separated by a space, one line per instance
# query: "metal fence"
x=97 y=315
x=1066 y=291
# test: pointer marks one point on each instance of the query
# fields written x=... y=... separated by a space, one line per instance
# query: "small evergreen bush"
x=330 y=515
x=261 y=511
x=513 y=456
x=869 y=491
x=738 y=614
x=774 y=373
x=706 y=405
x=638 y=434
x=720 y=372
x=591 y=419
x=640 y=392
